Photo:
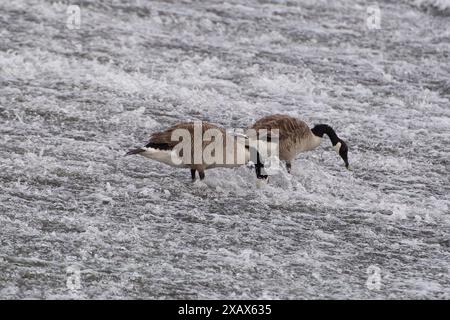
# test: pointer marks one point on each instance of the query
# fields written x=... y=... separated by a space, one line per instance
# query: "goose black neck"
x=321 y=129
x=259 y=167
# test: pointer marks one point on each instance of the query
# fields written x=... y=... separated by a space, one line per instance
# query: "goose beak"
x=347 y=165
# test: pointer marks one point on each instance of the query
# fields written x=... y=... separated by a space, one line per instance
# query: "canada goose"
x=204 y=146
x=295 y=137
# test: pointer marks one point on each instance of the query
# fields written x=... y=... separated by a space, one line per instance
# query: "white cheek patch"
x=337 y=147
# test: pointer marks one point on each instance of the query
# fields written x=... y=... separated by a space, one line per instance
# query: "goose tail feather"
x=134 y=151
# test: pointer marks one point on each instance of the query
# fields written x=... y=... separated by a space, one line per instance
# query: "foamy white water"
x=73 y=101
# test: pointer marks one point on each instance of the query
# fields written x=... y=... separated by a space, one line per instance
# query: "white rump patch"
x=165 y=156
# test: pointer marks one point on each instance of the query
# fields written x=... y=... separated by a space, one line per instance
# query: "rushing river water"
x=80 y=220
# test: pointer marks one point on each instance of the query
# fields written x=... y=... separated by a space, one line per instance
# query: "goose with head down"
x=204 y=146
x=295 y=137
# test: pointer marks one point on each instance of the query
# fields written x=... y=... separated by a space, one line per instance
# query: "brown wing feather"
x=290 y=128
x=164 y=138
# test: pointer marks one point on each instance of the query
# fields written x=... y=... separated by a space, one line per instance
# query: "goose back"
x=295 y=136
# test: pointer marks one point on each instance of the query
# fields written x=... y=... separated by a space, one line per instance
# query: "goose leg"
x=201 y=173
x=193 y=174
x=288 y=166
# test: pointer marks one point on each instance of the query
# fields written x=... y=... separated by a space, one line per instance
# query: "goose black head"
x=338 y=144
x=342 y=149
